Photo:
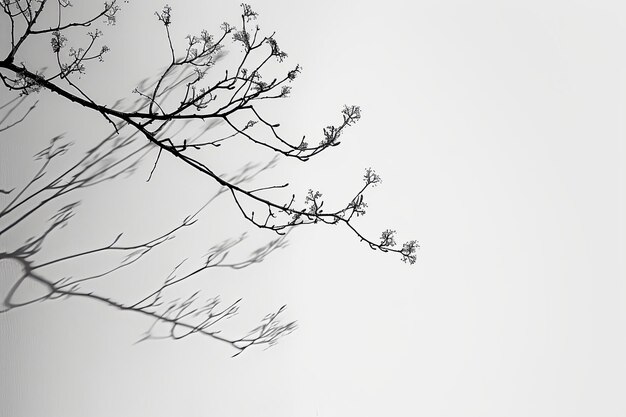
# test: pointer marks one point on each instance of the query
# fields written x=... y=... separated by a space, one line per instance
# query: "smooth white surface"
x=498 y=130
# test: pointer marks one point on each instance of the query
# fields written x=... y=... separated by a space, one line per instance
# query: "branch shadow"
x=114 y=157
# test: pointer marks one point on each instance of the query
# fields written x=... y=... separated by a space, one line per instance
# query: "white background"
x=498 y=130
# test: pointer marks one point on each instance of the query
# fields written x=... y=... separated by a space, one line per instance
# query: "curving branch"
x=115 y=156
x=236 y=96
x=230 y=107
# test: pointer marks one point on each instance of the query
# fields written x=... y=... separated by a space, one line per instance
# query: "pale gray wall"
x=498 y=130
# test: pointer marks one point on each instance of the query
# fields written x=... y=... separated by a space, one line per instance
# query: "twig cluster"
x=239 y=92
x=114 y=157
x=184 y=91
